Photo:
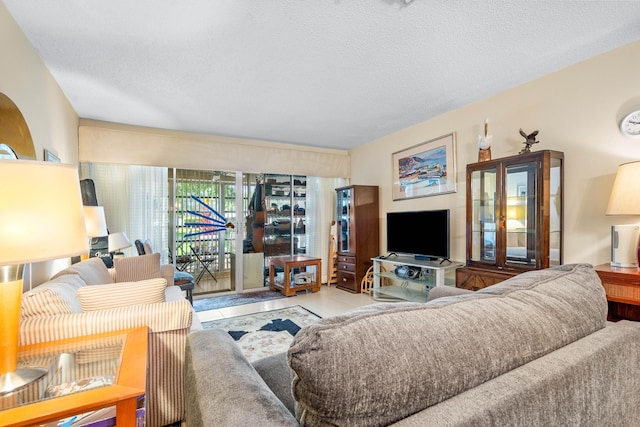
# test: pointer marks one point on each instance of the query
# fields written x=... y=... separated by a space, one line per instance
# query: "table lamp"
x=95 y=224
x=625 y=200
x=41 y=219
x=118 y=241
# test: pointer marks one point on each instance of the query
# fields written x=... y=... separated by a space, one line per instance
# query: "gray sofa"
x=535 y=350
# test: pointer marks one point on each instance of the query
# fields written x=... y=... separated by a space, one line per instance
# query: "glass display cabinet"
x=285 y=205
x=514 y=217
x=358 y=233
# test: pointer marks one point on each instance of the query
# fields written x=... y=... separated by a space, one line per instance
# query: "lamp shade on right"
x=625 y=196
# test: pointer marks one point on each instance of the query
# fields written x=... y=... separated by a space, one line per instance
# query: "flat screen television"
x=423 y=234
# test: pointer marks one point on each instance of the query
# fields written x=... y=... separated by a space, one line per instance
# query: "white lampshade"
x=95 y=221
x=625 y=196
x=41 y=218
x=118 y=241
x=41 y=215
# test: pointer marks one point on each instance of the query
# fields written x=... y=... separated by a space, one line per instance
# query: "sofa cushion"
x=275 y=372
x=103 y=297
x=382 y=363
x=57 y=296
x=93 y=271
x=136 y=268
x=223 y=389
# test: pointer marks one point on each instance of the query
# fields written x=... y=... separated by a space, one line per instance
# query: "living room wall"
x=52 y=121
x=576 y=110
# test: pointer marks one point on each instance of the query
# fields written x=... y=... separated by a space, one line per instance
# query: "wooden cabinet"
x=622 y=285
x=358 y=233
x=514 y=217
x=474 y=279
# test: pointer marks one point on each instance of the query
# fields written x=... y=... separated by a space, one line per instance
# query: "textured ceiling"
x=327 y=73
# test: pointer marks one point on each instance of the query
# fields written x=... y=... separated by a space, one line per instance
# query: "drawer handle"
x=344 y=279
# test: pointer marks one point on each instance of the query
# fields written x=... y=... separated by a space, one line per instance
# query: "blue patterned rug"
x=267 y=332
x=235 y=299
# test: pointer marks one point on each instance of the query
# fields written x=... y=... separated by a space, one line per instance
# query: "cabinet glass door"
x=343 y=215
x=520 y=214
x=285 y=204
x=555 y=212
x=483 y=227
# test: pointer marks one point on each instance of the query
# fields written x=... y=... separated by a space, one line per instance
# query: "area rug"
x=265 y=333
x=235 y=299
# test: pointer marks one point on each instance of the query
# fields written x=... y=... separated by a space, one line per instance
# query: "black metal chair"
x=139 y=247
x=205 y=261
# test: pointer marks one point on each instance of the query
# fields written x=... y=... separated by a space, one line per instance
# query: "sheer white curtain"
x=135 y=200
x=321 y=211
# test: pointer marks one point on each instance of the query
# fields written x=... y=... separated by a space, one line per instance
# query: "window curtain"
x=135 y=200
x=321 y=212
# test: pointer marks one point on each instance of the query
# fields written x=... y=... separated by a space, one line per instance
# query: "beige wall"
x=52 y=122
x=576 y=110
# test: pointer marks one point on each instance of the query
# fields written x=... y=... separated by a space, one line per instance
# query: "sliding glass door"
x=204 y=216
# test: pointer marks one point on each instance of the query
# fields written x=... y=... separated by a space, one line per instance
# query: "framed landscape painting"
x=426 y=169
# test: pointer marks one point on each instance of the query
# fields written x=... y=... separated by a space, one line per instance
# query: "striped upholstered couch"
x=88 y=298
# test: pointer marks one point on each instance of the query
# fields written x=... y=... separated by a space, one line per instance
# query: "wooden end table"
x=289 y=287
x=120 y=355
x=622 y=285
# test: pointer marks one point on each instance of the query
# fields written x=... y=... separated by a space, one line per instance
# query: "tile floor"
x=329 y=301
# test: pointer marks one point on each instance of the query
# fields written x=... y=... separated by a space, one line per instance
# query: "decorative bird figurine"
x=530 y=140
x=484 y=143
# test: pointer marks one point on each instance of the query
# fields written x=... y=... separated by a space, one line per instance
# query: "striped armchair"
x=53 y=311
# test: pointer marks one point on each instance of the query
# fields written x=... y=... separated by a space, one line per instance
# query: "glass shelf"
x=400 y=293
x=427 y=281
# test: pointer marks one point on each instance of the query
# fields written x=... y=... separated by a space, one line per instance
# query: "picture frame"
x=50 y=156
x=426 y=169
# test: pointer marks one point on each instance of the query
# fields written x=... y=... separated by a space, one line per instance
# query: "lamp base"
x=21 y=377
x=624 y=245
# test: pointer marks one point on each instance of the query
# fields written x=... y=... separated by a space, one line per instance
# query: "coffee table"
x=288 y=286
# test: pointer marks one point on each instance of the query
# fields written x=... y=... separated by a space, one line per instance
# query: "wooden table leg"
x=288 y=291
x=126 y=413
x=316 y=288
x=271 y=278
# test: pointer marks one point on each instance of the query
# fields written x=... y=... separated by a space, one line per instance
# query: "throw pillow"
x=104 y=297
x=57 y=296
x=135 y=268
x=93 y=271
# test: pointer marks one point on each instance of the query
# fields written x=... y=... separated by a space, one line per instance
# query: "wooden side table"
x=289 y=287
x=76 y=361
x=622 y=285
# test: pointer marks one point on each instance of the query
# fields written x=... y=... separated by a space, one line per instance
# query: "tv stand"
x=434 y=273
